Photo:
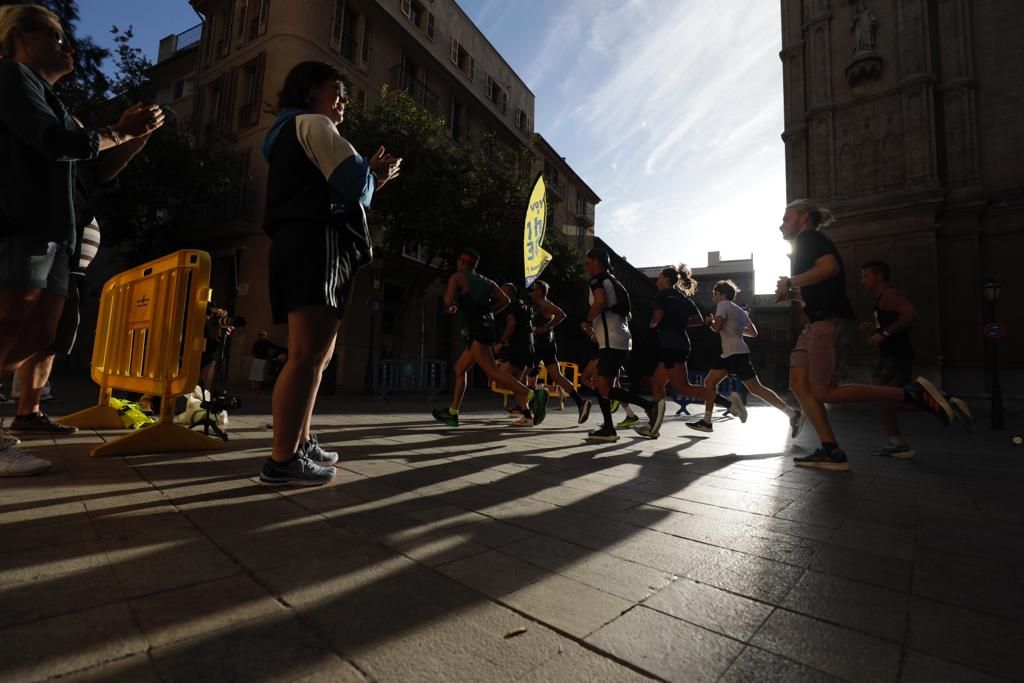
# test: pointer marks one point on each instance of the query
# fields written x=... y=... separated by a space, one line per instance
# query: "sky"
x=671 y=110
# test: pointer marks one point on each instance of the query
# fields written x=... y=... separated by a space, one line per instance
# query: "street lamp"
x=993 y=331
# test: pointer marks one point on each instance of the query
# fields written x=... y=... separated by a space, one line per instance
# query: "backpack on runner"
x=622 y=304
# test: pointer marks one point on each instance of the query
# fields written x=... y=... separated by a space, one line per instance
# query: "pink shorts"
x=822 y=348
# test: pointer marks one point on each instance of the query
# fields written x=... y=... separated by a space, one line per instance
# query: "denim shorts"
x=39 y=265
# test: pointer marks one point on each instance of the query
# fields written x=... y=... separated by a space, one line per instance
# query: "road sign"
x=995 y=330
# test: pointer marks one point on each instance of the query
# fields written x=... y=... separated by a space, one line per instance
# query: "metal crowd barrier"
x=414 y=376
x=149 y=340
x=729 y=384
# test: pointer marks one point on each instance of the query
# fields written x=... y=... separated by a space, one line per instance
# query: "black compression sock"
x=623 y=396
x=606 y=409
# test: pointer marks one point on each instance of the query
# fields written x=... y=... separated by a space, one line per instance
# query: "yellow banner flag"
x=535 y=259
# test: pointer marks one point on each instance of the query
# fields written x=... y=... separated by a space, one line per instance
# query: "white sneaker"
x=17 y=463
x=523 y=421
x=736 y=406
x=7 y=440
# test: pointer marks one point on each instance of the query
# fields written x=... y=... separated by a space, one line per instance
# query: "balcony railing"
x=585 y=213
x=189 y=38
x=416 y=89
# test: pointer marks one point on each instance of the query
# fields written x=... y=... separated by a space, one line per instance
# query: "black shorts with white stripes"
x=310 y=265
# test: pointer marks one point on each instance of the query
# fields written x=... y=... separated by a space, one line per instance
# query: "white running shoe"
x=736 y=406
x=7 y=440
x=15 y=462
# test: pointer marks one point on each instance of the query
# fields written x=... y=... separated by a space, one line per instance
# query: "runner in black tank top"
x=546 y=317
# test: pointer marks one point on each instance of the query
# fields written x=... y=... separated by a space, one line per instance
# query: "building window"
x=252 y=91
x=243 y=8
x=462 y=59
x=364 y=53
x=415 y=12
x=179 y=89
x=208 y=48
x=258 y=19
x=349 y=46
x=337 y=24
x=457 y=124
x=430 y=25
x=522 y=121
x=361 y=98
x=224 y=44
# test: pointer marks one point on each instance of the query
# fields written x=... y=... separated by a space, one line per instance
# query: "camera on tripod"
x=220 y=403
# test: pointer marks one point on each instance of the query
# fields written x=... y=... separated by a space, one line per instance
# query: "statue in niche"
x=863 y=27
x=866 y=64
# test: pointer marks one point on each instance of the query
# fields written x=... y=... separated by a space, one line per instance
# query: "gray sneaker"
x=299 y=471
x=315 y=452
x=737 y=407
x=15 y=462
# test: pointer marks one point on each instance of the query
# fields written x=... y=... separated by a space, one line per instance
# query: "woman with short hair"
x=318 y=188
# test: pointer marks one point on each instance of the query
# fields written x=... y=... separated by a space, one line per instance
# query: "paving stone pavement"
x=492 y=553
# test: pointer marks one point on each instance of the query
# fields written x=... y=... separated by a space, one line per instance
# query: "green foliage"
x=454 y=195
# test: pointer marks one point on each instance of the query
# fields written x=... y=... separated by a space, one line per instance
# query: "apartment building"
x=221 y=77
x=571 y=199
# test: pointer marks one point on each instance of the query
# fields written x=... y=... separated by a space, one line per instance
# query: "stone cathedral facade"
x=906 y=118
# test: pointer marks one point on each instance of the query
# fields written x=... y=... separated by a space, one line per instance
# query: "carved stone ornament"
x=866 y=64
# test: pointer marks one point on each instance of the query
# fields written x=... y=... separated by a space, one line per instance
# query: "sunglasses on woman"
x=58 y=36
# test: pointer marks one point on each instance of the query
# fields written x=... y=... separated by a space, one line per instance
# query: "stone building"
x=905 y=118
x=219 y=77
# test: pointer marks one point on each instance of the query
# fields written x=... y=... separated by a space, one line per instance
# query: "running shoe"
x=656 y=414
x=927 y=396
x=736 y=406
x=701 y=426
x=7 y=439
x=645 y=430
x=615 y=405
x=299 y=471
x=584 y=411
x=822 y=459
x=39 y=423
x=444 y=415
x=315 y=452
x=15 y=462
x=796 y=423
x=523 y=421
x=900 y=452
x=628 y=421
x=963 y=414
x=606 y=434
x=539 y=405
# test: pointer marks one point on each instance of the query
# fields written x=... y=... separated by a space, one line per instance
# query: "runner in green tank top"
x=478 y=299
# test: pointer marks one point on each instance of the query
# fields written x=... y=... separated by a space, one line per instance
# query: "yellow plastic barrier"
x=149 y=340
x=570 y=371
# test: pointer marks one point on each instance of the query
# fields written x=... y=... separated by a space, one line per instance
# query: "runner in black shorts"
x=733 y=324
x=515 y=345
x=608 y=319
x=478 y=299
x=674 y=311
x=547 y=316
x=890 y=332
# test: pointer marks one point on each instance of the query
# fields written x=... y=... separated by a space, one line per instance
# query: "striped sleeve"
x=345 y=171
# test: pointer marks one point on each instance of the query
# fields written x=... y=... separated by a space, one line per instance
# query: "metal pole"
x=998 y=417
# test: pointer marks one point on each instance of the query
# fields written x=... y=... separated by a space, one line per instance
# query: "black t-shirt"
x=826 y=299
x=678 y=311
x=522 y=336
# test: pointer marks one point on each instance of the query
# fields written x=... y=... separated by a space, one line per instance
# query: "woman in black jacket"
x=318 y=188
x=39 y=145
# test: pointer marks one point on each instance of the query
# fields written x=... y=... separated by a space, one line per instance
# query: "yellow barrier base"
x=163 y=437
x=97 y=417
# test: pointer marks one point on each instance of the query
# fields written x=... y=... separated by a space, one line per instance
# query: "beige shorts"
x=822 y=348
